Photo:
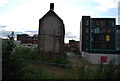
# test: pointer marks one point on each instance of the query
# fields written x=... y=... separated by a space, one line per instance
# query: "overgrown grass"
x=36 y=72
x=77 y=52
x=28 y=53
x=83 y=62
x=109 y=71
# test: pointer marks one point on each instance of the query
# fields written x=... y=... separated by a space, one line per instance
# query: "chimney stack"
x=52 y=6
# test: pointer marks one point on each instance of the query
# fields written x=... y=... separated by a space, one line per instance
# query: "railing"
x=40 y=62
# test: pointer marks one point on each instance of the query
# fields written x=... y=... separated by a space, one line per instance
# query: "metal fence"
x=41 y=62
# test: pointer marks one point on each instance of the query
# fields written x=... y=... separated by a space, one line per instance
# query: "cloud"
x=3 y=2
x=26 y=17
x=5 y=33
x=18 y=33
x=3 y=26
x=106 y=4
x=70 y=35
x=31 y=31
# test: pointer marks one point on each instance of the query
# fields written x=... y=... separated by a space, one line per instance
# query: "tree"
x=11 y=67
x=8 y=46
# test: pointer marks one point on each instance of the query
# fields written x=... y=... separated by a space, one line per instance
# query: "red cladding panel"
x=103 y=58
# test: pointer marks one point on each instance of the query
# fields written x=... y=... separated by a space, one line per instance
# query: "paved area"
x=76 y=60
x=72 y=58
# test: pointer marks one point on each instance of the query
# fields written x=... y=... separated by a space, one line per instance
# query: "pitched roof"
x=51 y=13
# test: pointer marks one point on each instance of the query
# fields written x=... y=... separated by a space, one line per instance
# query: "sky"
x=22 y=16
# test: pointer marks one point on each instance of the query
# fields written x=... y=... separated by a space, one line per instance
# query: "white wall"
x=96 y=58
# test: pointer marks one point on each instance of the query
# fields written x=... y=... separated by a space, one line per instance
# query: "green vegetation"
x=13 y=68
x=83 y=62
x=77 y=52
x=10 y=66
x=109 y=71
x=28 y=53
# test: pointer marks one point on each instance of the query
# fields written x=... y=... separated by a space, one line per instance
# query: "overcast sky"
x=22 y=16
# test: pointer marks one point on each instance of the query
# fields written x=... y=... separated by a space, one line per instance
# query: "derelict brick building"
x=51 y=32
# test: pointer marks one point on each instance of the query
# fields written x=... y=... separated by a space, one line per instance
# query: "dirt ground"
x=72 y=58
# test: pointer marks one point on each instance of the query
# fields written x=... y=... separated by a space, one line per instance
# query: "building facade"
x=28 y=41
x=73 y=45
x=99 y=40
x=118 y=37
x=98 y=35
x=85 y=34
x=51 y=32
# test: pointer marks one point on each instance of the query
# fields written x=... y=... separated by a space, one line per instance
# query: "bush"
x=32 y=72
x=11 y=67
x=22 y=52
x=109 y=71
x=61 y=60
x=77 y=52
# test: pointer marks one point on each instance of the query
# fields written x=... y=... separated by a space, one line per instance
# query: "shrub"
x=11 y=67
x=109 y=71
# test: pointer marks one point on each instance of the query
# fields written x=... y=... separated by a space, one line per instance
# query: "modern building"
x=85 y=34
x=99 y=40
x=118 y=36
x=98 y=35
x=51 y=32
x=28 y=41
